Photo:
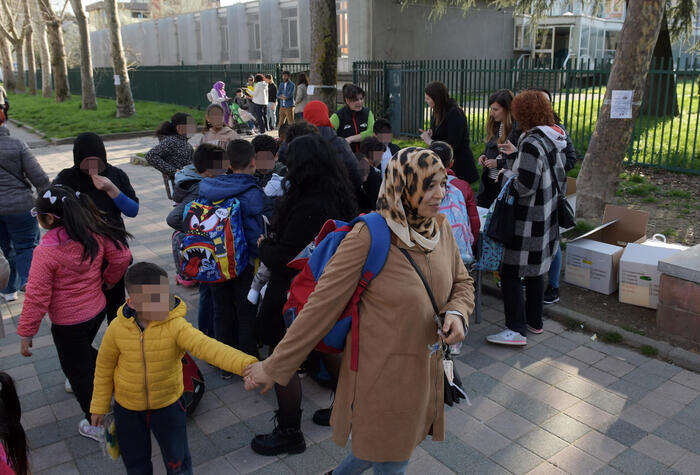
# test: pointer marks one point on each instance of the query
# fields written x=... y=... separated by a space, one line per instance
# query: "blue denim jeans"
x=169 y=425
x=555 y=269
x=19 y=235
x=351 y=465
x=271 y=115
x=205 y=318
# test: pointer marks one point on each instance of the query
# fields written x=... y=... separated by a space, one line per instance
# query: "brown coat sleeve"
x=462 y=296
x=329 y=299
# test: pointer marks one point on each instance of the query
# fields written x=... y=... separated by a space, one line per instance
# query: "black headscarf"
x=89 y=144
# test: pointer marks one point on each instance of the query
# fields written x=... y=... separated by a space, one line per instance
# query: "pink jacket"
x=64 y=285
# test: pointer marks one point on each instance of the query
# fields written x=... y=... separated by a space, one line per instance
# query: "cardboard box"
x=639 y=274
x=592 y=260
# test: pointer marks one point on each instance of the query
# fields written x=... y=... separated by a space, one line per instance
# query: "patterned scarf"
x=408 y=175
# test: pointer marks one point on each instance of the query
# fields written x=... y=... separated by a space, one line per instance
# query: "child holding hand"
x=140 y=363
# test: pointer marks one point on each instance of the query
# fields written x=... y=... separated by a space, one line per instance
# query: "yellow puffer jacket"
x=143 y=369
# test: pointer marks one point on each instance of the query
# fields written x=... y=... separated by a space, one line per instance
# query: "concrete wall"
x=270 y=31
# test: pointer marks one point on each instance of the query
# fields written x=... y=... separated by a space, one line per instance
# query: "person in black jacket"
x=369 y=160
x=500 y=151
x=449 y=124
x=385 y=134
x=317 y=190
x=354 y=122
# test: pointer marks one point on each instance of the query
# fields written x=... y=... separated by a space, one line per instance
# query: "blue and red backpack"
x=311 y=263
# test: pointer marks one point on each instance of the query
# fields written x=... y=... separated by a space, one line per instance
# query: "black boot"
x=322 y=417
x=285 y=438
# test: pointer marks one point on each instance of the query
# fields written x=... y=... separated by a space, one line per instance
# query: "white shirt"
x=386 y=156
x=260 y=93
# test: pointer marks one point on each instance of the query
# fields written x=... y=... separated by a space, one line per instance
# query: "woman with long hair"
x=502 y=135
x=301 y=97
x=317 y=189
x=449 y=124
x=216 y=131
x=79 y=254
x=13 y=441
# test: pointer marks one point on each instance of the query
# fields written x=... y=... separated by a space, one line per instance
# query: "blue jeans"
x=271 y=115
x=19 y=235
x=555 y=269
x=351 y=465
x=205 y=318
x=169 y=425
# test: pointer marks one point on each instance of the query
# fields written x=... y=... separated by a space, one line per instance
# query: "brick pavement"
x=563 y=404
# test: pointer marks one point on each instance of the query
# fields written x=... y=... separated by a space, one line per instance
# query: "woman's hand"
x=426 y=135
x=507 y=148
x=25 y=344
x=453 y=328
x=254 y=376
x=482 y=160
x=490 y=163
x=103 y=183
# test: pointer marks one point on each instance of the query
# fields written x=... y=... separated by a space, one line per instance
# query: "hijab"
x=408 y=175
x=219 y=87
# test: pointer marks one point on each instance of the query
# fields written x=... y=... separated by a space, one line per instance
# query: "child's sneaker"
x=68 y=387
x=92 y=432
x=11 y=297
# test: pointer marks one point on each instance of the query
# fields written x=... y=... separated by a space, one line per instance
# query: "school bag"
x=455 y=209
x=193 y=382
x=311 y=263
x=214 y=247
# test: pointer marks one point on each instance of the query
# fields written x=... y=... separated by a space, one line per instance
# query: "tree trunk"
x=43 y=47
x=58 y=60
x=29 y=50
x=8 y=73
x=87 y=82
x=324 y=55
x=21 y=86
x=600 y=172
x=125 y=101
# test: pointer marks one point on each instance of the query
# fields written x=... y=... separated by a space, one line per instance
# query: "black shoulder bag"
x=454 y=390
x=24 y=181
x=565 y=213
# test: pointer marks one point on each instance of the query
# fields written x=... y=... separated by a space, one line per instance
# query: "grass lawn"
x=67 y=119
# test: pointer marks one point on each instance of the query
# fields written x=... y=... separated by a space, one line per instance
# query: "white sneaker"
x=456 y=349
x=68 y=387
x=507 y=337
x=9 y=297
x=90 y=431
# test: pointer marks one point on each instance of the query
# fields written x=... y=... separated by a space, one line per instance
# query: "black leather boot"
x=285 y=438
x=322 y=417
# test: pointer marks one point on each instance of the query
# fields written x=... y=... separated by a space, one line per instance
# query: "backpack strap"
x=380 y=242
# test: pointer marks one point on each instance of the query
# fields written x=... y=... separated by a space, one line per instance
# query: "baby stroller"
x=242 y=121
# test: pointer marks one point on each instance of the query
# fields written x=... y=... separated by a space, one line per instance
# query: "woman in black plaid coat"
x=540 y=161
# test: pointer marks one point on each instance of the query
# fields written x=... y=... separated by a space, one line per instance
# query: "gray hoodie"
x=18 y=171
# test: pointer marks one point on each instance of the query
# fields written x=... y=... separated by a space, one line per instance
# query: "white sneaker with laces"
x=507 y=337
x=11 y=297
x=68 y=387
x=90 y=431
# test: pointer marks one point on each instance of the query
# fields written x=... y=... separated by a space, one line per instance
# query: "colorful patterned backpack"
x=214 y=248
x=455 y=209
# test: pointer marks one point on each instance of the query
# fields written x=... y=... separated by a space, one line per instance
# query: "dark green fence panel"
x=665 y=133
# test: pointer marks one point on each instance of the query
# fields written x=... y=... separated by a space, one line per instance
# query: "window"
x=253 y=23
x=611 y=39
x=223 y=30
x=341 y=8
x=290 y=33
x=198 y=35
x=544 y=38
x=585 y=36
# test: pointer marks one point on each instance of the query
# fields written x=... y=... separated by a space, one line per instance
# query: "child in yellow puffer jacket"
x=139 y=362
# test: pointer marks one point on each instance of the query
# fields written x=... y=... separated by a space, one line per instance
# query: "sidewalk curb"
x=69 y=140
x=684 y=358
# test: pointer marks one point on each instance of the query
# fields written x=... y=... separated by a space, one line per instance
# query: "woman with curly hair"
x=317 y=189
x=536 y=173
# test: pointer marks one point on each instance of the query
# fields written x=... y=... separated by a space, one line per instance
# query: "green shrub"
x=648 y=350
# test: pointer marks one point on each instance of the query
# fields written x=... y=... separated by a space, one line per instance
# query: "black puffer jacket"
x=343 y=152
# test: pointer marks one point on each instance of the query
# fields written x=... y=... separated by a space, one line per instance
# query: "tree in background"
x=12 y=26
x=125 y=101
x=324 y=54
x=89 y=99
x=8 y=74
x=29 y=48
x=57 y=47
x=600 y=172
x=42 y=45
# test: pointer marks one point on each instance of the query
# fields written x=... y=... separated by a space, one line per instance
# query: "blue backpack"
x=311 y=263
x=455 y=210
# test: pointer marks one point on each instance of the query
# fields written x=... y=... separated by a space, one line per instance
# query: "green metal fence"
x=665 y=133
x=184 y=85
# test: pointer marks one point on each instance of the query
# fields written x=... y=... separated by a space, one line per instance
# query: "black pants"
x=115 y=299
x=234 y=316
x=520 y=313
x=77 y=356
x=261 y=117
x=488 y=191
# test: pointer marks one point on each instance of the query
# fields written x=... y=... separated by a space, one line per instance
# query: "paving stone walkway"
x=564 y=404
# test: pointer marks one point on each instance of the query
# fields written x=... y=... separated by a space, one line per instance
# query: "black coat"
x=489 y=189
x=454 y=130
x=369 y=191
x=296 y=231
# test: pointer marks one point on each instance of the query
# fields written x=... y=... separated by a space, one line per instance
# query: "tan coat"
x=395 y=398
x=226 y=134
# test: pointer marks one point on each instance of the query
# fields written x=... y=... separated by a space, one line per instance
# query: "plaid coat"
x=536 y=223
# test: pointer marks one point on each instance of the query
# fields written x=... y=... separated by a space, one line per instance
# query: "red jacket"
x=64 y=285
x=469 y=200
